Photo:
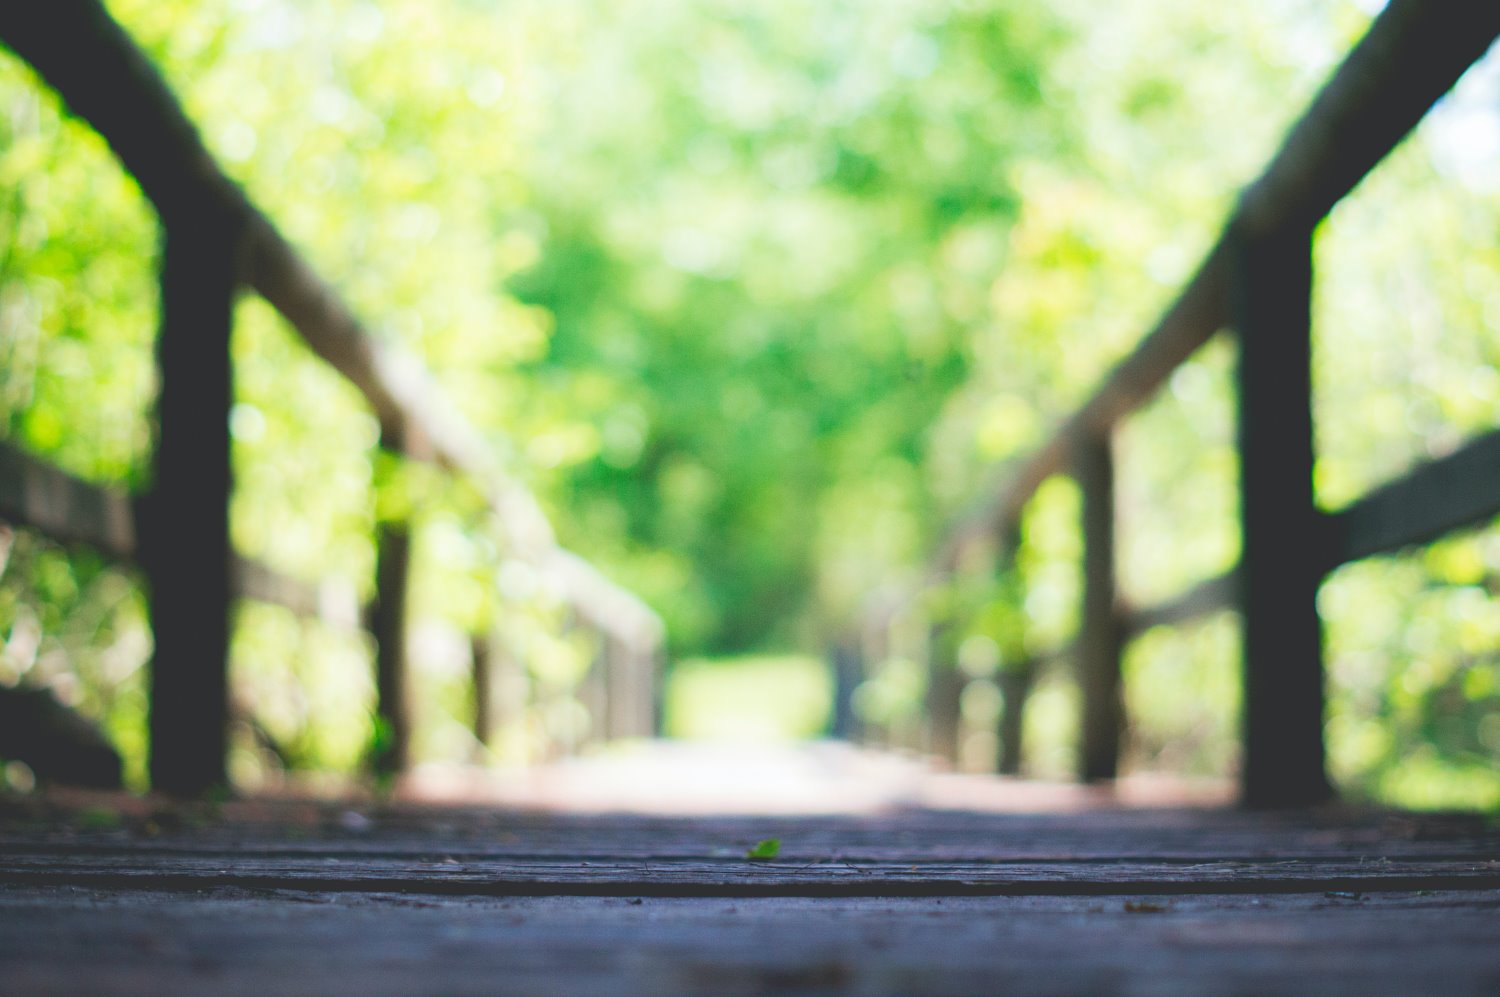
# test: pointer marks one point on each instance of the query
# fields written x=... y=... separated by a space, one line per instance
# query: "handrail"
x=1432 y=499
x=104 y=78
x=1412 y=54
x=34 y=493
x=38 y=495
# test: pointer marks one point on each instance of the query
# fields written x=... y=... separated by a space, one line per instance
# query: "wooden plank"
x=106 y=80
x=916 y=875
x=846 y=663
x=35 y=494
x=184 y=520
x=306 y=831
x=1459 y=490
x=228 y=941
x=1208 y=596
x=1282 y=532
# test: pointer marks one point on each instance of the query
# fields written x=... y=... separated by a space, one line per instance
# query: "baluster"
x=1014 y=678
x=483 y=671
x=1280 y=561
x=185 y=519
x=944 y=690
x=1099 y=639
x=845 y=658
x=389 y=626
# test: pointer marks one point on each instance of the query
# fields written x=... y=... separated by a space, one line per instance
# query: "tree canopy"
x=757 y=297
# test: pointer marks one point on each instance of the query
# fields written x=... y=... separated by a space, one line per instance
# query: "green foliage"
x=756 y=298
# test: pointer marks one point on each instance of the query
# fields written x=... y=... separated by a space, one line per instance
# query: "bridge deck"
x=297 y=897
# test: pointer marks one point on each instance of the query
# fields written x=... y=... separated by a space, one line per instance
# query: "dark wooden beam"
x=1283 y=535
x=184 y=519
x=35 y=494
x=331 y=601
x=945 y=685
x=56 y=742
x=1461 y=489
x=1017 y=669
x=64 y=508
x=483 y=674
x=1412 y=54
x=1099 y=638
x=1208 y=596
x=388 y=624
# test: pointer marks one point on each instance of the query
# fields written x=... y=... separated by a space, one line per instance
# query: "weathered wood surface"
x=302 y=898
x=236 y=941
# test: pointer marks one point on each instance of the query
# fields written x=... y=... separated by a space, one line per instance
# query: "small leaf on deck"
x=764 y=850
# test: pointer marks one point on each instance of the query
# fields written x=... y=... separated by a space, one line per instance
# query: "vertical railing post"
x=482 y=662
x=632 y=689
x=944 y=689
x=1099 y=638
x=1281 y=565
x=657 y=665
x=614 y=684
x=1016 y=669
x=874 y=649
x=185 y=519
x=844 y=657
x=388 y=625
x=593 y=693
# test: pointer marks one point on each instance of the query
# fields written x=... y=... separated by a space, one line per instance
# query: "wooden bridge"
x=122 y=894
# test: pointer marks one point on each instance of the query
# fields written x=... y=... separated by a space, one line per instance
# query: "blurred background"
x=756 y=298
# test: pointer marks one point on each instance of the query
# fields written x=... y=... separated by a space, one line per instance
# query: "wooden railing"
x=217 y=244
x=1256 y=281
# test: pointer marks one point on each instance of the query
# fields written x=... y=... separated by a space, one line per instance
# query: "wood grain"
x=293 y=897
